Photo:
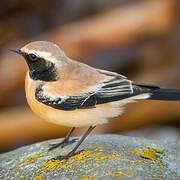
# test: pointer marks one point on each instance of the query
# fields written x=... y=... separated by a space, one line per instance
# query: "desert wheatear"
x=66 y=92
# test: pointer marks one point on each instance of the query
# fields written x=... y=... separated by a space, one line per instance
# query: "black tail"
x=166 y=95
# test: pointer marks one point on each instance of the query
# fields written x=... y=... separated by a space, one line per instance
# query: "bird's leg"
x=65 y=142
x=73 y=152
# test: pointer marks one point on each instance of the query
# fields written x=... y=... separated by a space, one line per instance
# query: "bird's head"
x=43 y=59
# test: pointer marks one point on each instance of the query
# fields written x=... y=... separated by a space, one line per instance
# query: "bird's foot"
x=61 y=144
x=66 y=157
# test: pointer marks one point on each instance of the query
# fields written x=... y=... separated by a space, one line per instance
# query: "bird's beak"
x=16 y=50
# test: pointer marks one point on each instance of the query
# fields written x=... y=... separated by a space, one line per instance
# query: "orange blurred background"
x=139 y=39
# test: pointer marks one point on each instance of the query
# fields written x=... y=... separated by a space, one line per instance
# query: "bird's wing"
x=112 y=89
x=110 y=73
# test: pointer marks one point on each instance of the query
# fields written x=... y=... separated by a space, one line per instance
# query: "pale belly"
x=75 y=118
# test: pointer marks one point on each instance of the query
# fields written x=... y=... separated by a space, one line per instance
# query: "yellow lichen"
x=30 y=160
x=111 y=174
x=89 y=177
x=149 y=153
x=97 y=157
x=85 y=155
x=111 y=156
x=121 y=173
x=155 y=150
x=39 y=176
x=81 y=158
x=118 y=173
x=52 y=165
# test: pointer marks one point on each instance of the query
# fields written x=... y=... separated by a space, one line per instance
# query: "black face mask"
x=40 y=69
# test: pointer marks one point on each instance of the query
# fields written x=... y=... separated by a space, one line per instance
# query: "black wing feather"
x=114 y=90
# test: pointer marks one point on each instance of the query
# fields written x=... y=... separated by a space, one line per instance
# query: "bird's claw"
x=69 y=142
x=66 y=157
x=61 y=144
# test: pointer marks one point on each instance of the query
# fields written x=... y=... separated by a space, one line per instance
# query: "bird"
x=70 y=93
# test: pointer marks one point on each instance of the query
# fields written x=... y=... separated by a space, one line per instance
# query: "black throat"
x=47 y=75
x=41 y=69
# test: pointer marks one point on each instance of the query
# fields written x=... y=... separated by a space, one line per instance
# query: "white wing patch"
x=116 y=87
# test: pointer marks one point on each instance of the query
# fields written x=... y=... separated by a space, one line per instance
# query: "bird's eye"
x=33 y=57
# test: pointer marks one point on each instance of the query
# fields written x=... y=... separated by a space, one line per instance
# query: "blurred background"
x=137 y=38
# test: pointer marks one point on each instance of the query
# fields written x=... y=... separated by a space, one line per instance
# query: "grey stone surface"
x=105 y=157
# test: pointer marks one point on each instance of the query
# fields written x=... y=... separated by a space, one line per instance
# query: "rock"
x=105 y=157
x=158 y=132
